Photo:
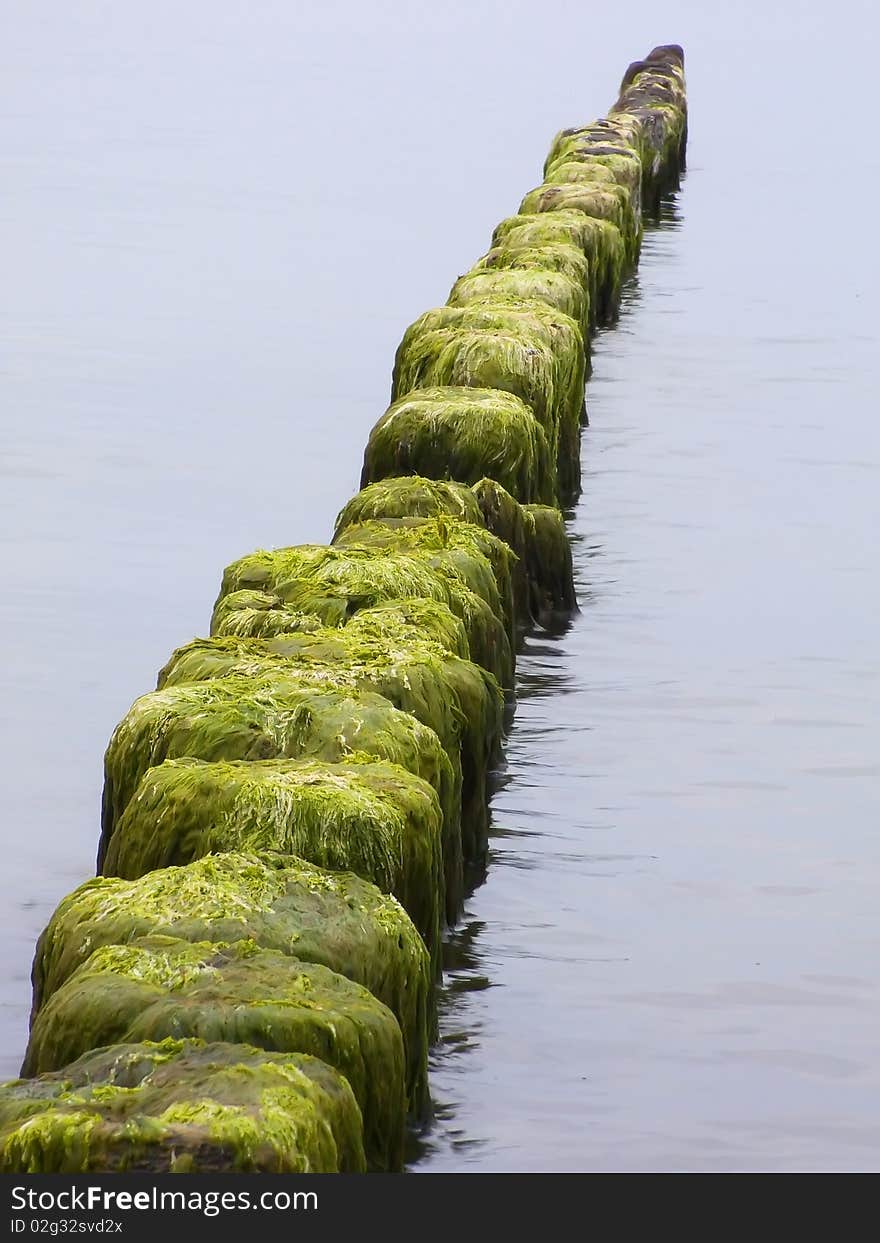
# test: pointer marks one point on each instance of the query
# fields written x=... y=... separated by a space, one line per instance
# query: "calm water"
x=215 y=228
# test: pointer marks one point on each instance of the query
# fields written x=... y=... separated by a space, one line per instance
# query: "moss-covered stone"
x=537 y=534
x=600 y=241
x=458 y=700
x=409 y=496
x=160 y=987
x=370 y=818
x=182 y=1106
x=336 y=583
x=279 y=903
x=526 y=348
x=269 y=717
x=463 y=434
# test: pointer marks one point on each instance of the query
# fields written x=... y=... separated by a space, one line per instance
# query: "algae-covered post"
x=373 y=819
x=262 y=718
x=285 y=822
x=468 y=433
x=159 y=987
x=183 y=1107
x=277 y=901
x=460 y=702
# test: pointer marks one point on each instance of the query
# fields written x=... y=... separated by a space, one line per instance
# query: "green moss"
x=600 y=241
x=456 y=699
x=408 y=496
x=525 y=348
x=465 y=433
x=280 y=903
x=182 y=1106
x=160 y=987
x=270 y=717
x=338 y=582
x=370 y=818
x=538 y=536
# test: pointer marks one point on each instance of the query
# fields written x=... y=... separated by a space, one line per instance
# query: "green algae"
x=645 y=130
x=567 y=171
x=278 y=902
x=525 y=284
x=526 y=348
x=370 y=818
x=459 y=701
x=270 y=717
x=585 y=156
x=537 y=535
x=605 y=200
x=593 y=151
x=464 y=434
x=653 y=103
x=161 y=987
x=600 y=241
x=549 y=561
x=182 y=1106
x=371 y=579
x=448 y=536
x=398 y=621
x=408 y=496
x=336 y=583
x=556 y=259
x=505 y=518
x=557 y=256
x=410 y=621
x=259 y=615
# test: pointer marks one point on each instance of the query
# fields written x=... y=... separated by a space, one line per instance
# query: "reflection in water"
x=542 y=674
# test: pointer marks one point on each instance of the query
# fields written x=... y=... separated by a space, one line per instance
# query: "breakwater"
x=287 y=818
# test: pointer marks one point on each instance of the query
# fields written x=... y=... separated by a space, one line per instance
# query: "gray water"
x=216 y=222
